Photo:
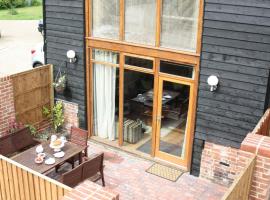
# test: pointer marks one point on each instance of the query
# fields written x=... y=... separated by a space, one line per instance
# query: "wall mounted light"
x=213 y=82
x=71 y=55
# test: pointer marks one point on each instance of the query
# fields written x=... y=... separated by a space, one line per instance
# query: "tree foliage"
x=11 y=4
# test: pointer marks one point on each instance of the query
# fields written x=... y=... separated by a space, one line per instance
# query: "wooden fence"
x=263 y=126
x=32 y=90
x=18 y=182
x=241 y=186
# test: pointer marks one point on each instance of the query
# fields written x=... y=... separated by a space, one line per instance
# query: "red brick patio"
x=125 y=174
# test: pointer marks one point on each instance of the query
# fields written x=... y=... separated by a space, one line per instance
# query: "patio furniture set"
x=43 y=157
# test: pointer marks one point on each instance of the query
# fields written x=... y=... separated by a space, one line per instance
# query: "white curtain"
x=104 y=95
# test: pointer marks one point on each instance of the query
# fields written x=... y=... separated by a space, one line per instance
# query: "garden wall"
x=30 y=98
x=7 y=110
x=70 y=111
x=33 y=90
x=22 y=97
x=223 y=164
x=259 y=145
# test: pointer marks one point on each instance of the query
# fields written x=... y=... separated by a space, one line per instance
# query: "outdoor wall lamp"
x=71 y=55
x=213 y=82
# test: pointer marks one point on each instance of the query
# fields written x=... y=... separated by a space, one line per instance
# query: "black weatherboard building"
x=233 y=44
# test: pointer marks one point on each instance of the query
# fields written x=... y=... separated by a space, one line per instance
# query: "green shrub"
x=36 y=2
x=56 y=114
x=4 y=4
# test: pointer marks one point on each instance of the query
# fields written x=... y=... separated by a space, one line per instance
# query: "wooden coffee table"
x=27 y=158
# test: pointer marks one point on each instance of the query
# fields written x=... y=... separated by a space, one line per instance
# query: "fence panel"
x=32 y=90
x=18 y=182
x=241 y=186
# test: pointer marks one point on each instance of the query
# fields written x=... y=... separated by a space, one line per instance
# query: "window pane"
x=105 y=56
x=138 y=110
x=176 y=69
x=139 y=62
x=106 y=19
x=175 y=102
x=140 y=23
x=179 y=24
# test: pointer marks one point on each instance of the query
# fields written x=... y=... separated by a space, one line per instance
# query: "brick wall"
x=70 y=110
x=91 y=191
x=7 y=110
x=260 y=145
x=222 y=164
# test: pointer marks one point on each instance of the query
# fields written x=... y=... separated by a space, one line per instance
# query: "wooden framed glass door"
x=173 y=120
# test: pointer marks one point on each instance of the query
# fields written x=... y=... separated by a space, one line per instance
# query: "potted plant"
x=60 y=83
x=56 y=115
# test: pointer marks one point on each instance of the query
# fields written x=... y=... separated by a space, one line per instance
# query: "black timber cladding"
x=64 y=31
x=236 y=47
x=236 y=41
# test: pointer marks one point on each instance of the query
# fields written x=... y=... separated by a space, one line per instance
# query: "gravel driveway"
x=18 y=38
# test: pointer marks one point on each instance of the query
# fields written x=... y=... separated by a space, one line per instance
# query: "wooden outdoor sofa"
x=16 y=142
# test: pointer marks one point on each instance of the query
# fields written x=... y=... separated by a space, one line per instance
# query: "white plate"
x=59 y=154
x=50 y=161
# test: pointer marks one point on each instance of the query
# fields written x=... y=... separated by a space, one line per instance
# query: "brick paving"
x=125 y=174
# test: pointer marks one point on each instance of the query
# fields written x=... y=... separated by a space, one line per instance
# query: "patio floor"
x=125 y=174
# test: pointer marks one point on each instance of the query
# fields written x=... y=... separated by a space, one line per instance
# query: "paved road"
x=18 y=38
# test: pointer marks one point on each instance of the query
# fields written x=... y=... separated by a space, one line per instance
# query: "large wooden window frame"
x=157 y=53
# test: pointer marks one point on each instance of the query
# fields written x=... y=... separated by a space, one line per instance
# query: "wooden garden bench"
x=16 y=142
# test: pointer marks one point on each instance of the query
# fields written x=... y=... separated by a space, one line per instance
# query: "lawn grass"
x=26 y=13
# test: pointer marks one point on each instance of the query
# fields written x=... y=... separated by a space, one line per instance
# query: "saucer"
x=50 y=161
x=39 y=160
x=59 y=154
